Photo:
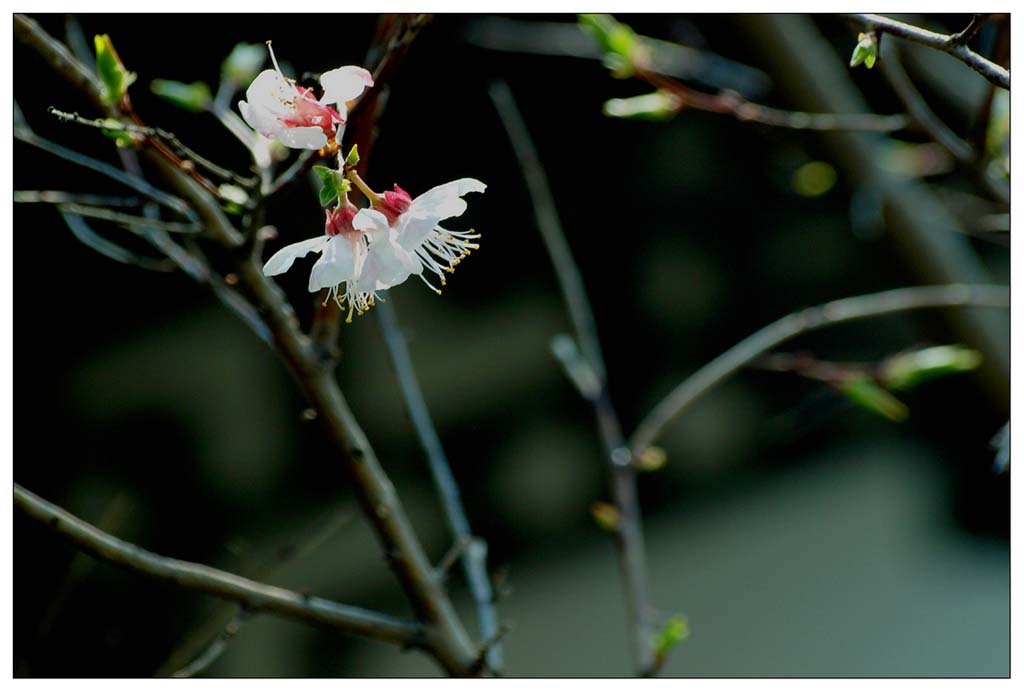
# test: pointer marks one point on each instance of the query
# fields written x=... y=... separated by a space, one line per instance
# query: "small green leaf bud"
x=862 y=390
x=607 y=516
x=116 y=79
x=659 y=105
x=906 y=370
x=193 y=97
x=866 y=50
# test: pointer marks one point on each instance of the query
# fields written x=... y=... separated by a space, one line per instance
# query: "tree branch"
x=964 y=37
x=918 y=109
x=171 y=202
x=950 y=44
x=128 y=220
x=142 y=131
x=473 y=551
x=797 y=323
x=446 y=638
x=629 y=532
x=732 y=103
x=920 y=227
x=200 y=649
x=253 y=595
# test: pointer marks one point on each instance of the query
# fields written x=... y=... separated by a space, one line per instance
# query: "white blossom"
x=279 y=109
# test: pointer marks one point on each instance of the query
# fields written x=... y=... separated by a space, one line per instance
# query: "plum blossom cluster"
x=362 y=251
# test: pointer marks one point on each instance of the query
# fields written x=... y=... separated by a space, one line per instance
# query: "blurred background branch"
x=801 y=322
x=628 y=530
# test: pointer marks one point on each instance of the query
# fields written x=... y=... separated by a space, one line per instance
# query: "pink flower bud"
x=339 y=222
x=393 y=204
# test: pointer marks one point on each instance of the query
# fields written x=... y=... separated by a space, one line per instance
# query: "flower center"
x=308 y=112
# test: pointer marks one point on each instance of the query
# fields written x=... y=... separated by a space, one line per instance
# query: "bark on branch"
x=254 y=596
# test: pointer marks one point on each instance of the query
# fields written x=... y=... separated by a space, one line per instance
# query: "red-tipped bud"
x=339 y=221
x=393 y=204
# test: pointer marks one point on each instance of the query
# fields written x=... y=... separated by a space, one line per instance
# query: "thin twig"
x=950 y=44
x=302 y=163
x=301 y=545
x=192 y=260
x=918 y=109
x=837 y=312
x=629 y=533
x=964 y=37
x=449 y=559
x=129 y=220
x=109 y=249
x=568 y=274
x=732 y=103
x=183 y=151
x=141 y=186
x=563 y=39
x=255 y=596
x=210 y=655
x=61 y=197
x=471 y=549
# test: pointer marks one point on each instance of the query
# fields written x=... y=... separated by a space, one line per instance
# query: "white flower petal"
x=302 y=137
x=372 y=222
x=387 y=265
x=283 y=259
x=270 y=90
x=344 y=84
x=337 y=264
x=414 y=230
x=445 y=201
x=260 y=119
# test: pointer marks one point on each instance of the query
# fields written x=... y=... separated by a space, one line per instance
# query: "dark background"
x=801 y=536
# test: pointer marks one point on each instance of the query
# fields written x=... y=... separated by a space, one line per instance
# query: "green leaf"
x=866 y=50
x=607 y=516
x=906 y=370
x=332 y=184
x=862 y=390
x=193 y=97
x=618 y=41
x=353 y=156
x=659 y=105
x=244 y=62
x=651 y=459
x=116 y=79
x=675 y=630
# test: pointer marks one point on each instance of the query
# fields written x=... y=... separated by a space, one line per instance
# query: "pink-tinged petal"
x=302 y=137
x=283 y=259
x=336 y=265
x=344 y=84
